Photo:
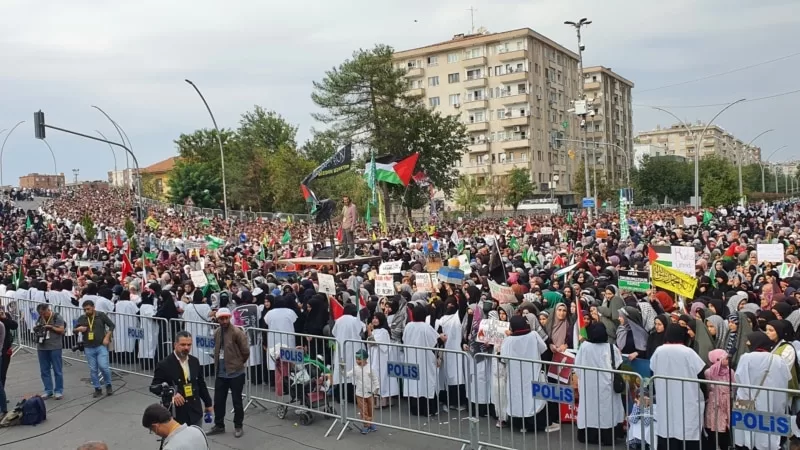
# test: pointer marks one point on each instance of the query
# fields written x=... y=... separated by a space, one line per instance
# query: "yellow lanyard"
x=91 y=323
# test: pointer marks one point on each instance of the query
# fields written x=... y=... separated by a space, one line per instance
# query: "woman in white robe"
x=600 y=410
x=127 y=328
x=524 y=411
x=479 y=364
x=679 y=406
x=197 y=320
x=346 y=328
x=420 y=334
x=453 y=369
x=380 y=354
x=499 y=370
x=280 y=322
x=762 y=368
x=150 y=326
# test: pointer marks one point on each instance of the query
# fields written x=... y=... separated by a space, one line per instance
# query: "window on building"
x=498 y=70
x=502 y=157
x=415 y=84
x=433 y=102
x=159 y=185
x=452 y=58
x=474 y=52
x=474 y=74
x=523 y=156
x=501 y=113
x=510 y=157
x=455 y=99
x=475 y=95
x=433 y=81
x=413 y=63
x=453 y=78
x=536 y=68
x=477 y=116
x=433 y=60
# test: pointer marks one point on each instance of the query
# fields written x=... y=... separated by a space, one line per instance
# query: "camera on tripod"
x=165 y=391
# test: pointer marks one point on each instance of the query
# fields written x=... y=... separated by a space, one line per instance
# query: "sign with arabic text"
x=673 y=280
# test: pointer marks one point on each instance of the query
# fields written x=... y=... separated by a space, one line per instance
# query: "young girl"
x=718 y=408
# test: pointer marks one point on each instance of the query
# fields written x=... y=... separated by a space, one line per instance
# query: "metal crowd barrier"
x=753 y=417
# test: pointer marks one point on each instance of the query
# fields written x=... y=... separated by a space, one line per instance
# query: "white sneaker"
x=553 y=428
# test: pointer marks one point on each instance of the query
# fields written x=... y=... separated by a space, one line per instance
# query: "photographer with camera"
x=96 y=330
x=182 y=374
x=48 y=331
x=174 y=436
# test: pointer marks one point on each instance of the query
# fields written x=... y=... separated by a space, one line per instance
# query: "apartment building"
x=513 y=90
x=41 y=181
x=677 y=141
x=609 y=123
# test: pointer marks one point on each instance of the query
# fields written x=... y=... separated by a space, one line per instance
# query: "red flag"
x=336 y=308
x=340 y=234
x=245 y=266
x=651 y=254
x=529 y=227
x=119 y=241
x=405 y=168
x=109 y=244
x=127 y=267
x=361 y=302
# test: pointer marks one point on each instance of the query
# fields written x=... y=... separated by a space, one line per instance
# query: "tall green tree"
x=195 y=180
x=266 y=130
x=719 y=183
x=605 y=192
x=466 y=195
x=659 y=179
x=519 y=187
x=89 y=228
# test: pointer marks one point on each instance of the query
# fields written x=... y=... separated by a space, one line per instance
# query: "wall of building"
x=42 y=181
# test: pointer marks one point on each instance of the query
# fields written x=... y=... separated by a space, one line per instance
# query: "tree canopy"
x=519 y=187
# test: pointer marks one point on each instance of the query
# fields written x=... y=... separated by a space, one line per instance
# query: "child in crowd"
x=639 y=422
x=366 y=384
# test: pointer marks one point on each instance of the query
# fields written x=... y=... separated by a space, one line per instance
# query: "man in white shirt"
x=175 y=436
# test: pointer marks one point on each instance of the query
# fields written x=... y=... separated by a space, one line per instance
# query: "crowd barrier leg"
x=248 y=399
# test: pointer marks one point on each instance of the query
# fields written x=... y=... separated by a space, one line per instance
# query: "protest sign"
x=769 y=252
x=601 y=234
x=492 y=331
x=198 y=278
x=245 y=316
x=673 y=280
x=502 y=294
x=546 y=230
x=423 y=281
x=690 y=221
x=634 y=281
x=384 y=285
x=326 y=283
x=463 y=264
x=390 y=267
x=683 y=259
x=786 y=270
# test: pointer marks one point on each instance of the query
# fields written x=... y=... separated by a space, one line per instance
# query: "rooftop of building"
x=608 y=71
x=161 y=166
x=484 y=37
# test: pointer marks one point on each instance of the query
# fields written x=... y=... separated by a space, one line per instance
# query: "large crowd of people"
x=739 y=326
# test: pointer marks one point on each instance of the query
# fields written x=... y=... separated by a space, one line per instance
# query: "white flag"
x=454 y=237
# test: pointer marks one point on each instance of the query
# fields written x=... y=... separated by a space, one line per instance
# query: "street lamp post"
x=221 y=151
x=121 y=132
x=741 y=191
x=55 y=168
x=578 y=25
x=696 y=140
x=112 y=152
x=3 y=147
x=763 y=182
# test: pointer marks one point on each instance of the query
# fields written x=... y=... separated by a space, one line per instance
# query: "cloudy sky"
x=131 y=58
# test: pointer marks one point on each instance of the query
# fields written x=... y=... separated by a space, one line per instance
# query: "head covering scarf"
x=633 y=324
x=596 y=333
x=608 y=322
x=558 y=329
x=519 y=326
x=675 y=334
x=721 y=326
x=736 y=339
x=759 y=342
x=702 y=342
x=718 y=372
x=656 y=339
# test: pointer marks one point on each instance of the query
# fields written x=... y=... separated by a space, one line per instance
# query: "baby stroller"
x=306 y=383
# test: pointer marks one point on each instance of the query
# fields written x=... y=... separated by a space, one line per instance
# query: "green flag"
x=213 y=243
x=205 y=222
x=707 y=217
x=261 y=255
x=212 y=284
x=569 y=217
x=286 y=237
x=513 y=244
x=17 y=277
x=371 y=178
x=460 y=246
x=150 y=255
x=368 y=215
x=28 y=224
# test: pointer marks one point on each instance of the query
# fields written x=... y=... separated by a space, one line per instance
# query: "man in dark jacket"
x=11 y=326
x=182 y=371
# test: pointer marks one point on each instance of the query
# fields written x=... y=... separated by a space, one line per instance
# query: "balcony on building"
x=418 y=92
x=479 y=147
x=475 y=169
x=475 y=61
x=508 y=96
x=517 y=121
x=518 y=140
x=592 y=85
x=415 y=72
x=477 y=125
x=513 y=74
x=475 y=81
x=510 y=55
x=475 y=102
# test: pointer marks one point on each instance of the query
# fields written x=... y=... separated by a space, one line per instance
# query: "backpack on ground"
x=34 y=411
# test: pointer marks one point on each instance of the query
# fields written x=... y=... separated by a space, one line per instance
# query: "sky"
x=131 y=59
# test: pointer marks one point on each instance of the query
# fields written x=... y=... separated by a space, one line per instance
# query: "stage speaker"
x=324 y=253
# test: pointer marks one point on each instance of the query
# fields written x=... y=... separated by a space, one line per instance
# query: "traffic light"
x=38 y=124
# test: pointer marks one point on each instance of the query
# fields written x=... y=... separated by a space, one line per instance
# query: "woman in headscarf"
x=718 y=405
x=631 y=335
x=699 y=339
x=421 y=393
x=479 y=386
x=452 y=372
x=380 y=354
x=600 y=410
x=317 y=317
x=559 y=330
x=601 y=314
x=613 y=301
x=524 y=411
x=738 y=329
x=717 y=306
x=657 y=337
x=780 y=333
x=499 y=371
x=718 y=330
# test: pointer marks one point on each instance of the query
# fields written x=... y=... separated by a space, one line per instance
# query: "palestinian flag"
x=730 y=252
x=337 y=310
x=582 y=325
x=389 y=169
x=661 y=254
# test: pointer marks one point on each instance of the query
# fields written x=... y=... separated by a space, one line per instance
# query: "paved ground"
x=116 y=420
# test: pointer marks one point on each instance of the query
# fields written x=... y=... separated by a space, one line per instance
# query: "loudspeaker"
x=324 y=253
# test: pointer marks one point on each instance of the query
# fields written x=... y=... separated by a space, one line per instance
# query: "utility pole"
x=581 y=107
x=75 y=175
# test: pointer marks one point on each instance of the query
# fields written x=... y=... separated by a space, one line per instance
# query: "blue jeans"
x=51 y=360
x=97 y=357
